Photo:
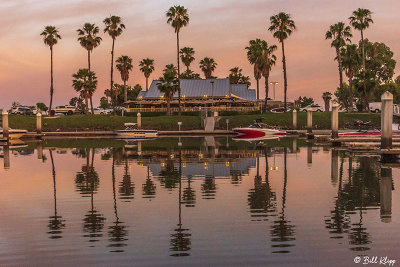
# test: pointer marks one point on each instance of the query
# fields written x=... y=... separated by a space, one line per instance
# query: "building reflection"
x=282 y=231
x=56 y=222
x=118 y=231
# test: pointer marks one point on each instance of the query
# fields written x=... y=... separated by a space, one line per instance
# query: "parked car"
x=66 y=110
x=280 y=110
x=313 y=107
x=102 y=111
x=377 y=106
x=21 y=111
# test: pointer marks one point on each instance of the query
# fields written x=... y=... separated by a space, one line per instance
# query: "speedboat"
x=132 y=132
x=14 y=133
x=258 y=129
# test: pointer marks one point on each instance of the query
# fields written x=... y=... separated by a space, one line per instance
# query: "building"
x=215 y=94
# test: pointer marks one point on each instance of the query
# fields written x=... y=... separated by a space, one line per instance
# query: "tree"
x=104 y=103
x=327 y=96
x=343 y=97
x=189 y=74
x=208 y=65
x=50 y=38
x=41 y=106
x=236 y=77
x=114 y=28
x=178 y=17
x=171 y=68
x=351 y=63
x=168 y=84
x=132 y=93
x=253 y=55
x=340 y=35
x=147 y=67
x=282 y=27
x=89 y=40
x=124 y=65
x=360 y=20
x=187 y=56
x=77 y=102
x=305 y=101
x=85 y=83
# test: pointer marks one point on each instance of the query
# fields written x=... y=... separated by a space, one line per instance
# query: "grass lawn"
x=321 y=120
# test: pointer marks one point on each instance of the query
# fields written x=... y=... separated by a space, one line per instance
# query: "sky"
x=218 y=29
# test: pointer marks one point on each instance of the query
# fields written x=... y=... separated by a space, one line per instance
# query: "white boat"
x=257 y=130
x=131 y=131
x=14 y=133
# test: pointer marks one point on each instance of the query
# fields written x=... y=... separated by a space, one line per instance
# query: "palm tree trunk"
x=364 y=81
x=112 y=69
x=168 y=107
x=340 y=68
x=51 y=79
x=87 y=105
x=91 y=98
x=284 y=74
x=125 y=92
x=258 y=88
x=266 y=92
x=351 y=100
x=179 y=74
x=147 y=83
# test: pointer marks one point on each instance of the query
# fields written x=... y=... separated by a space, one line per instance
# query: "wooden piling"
x=335 y=120
x=309 y=121
x=139 y=120
x=6 y=150
x=5 y=125
x=334 y=167
x=294 y=119
x=386 y=120
x=39 y=123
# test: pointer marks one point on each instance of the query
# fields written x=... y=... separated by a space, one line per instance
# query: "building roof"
x=191 y=88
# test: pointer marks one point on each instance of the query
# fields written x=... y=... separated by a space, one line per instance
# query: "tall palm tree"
x=351 y=62
x=253 y=55
x=282 y=27
x=114 y=28
x=50 y=38
x=85 y=83
x=327 y=96
x=268 y=59
x=360 y=20
x=89 y=40
x=168 y=84
x=171 y=68
x=178 y=17
x=340 y=35
x=124 y=65
x=147 y=67
x=187 y=56
x=208 y=65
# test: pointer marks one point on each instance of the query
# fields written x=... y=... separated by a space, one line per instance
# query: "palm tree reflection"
x=126 y=188
x=149 y=188
x=118 y=231
x=180 y=240
x=189 y=195
x=56 y=223
x=282 y=231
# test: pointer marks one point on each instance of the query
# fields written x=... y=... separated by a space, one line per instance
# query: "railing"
x=192 y=109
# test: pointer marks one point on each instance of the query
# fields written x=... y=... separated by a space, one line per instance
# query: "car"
x=280 y=110
x=21 y=111
x=101 y=111
x=66 y=110
x=312 y=107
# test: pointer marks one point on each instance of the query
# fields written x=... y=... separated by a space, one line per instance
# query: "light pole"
x=274 y=83
x=212 y=95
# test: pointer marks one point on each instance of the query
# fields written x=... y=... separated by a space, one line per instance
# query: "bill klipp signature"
x=375 y=260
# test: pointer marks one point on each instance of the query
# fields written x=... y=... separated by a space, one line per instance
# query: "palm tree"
x=351 y=63
x=178 y=17
x=253 y=56
x=114 y=28
x=85 y=82
x=360 y=20
x=187 y=56
x=89 y=40
x=124 y=65
x=50 y=38
x=340 y=35
x=327 y=96
x=171 y=68
x=282 y=27
x=208 y=65
x=236 y=77
x=147 y=67
x=168 y=84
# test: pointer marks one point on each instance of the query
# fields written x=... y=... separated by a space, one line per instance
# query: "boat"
x=132 y=132
x=14 y=133
x=258 y=129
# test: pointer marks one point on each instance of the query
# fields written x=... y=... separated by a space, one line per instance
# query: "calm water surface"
x=211 y=201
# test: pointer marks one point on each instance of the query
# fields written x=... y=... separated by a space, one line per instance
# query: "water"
x=276 y=202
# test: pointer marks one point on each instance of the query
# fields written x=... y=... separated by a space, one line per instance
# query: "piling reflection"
x=56 y=222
